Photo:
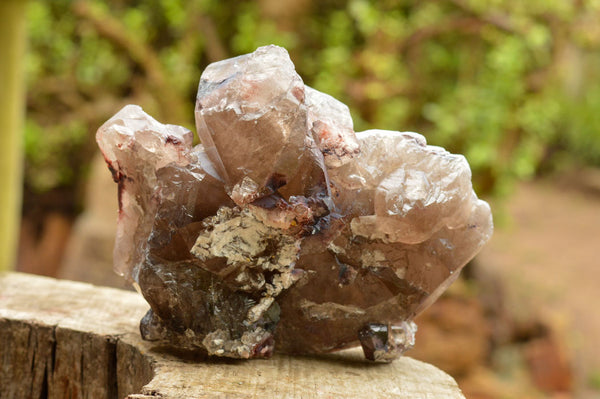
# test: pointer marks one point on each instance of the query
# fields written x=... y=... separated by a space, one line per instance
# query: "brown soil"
x=546 y=249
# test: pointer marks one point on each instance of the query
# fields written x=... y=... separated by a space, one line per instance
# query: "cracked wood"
x=62 y=339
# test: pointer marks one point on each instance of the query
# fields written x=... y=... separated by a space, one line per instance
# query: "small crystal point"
x=285 y=229
x=384 y=343
x=331 y=125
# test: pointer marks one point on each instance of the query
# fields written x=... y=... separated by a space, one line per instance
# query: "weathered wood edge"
x=61 y=338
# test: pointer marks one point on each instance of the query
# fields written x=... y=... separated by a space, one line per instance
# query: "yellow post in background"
x=12 y=112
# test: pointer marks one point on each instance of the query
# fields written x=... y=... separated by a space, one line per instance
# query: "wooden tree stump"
x=62 y=339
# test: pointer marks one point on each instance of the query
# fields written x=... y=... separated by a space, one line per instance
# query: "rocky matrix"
x=285 y=229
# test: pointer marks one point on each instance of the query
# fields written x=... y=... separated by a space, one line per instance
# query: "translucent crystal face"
x=251 y=115
x=285 y=229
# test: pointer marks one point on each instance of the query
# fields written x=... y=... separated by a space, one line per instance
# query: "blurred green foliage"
x=594 y=380
x=513 y=85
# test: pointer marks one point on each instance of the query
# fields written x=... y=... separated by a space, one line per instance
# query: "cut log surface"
x=62 y=339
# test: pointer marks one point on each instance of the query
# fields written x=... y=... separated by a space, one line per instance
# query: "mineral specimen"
x=285 y=229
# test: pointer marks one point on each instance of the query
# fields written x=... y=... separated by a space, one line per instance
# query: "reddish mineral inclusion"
x=285 y=230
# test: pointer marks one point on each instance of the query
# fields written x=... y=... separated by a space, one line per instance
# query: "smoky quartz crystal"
x=285 y=229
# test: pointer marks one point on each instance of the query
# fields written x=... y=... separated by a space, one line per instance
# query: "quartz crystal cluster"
x=284 y=229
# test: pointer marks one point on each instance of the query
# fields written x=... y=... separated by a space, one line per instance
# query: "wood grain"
x=62 y=339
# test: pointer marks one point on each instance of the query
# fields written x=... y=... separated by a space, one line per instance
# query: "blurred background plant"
x=514 y=85
x=501 y=82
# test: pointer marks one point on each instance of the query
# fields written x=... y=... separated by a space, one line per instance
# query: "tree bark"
x=12 y=101
x=66 y=339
